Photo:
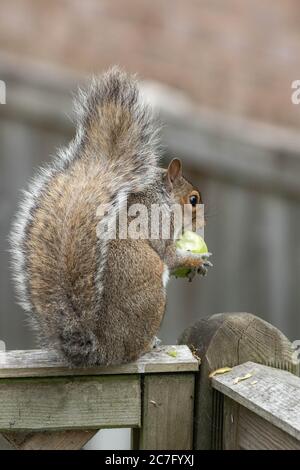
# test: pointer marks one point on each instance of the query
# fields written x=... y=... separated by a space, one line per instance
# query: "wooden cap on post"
x=226 y=340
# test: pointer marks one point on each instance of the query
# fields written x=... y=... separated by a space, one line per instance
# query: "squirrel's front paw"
x=188 y=264
x=203 y=268
x=200 y=264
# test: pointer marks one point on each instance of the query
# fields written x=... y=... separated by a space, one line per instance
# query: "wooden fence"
x=248 y=172
x=236 y=386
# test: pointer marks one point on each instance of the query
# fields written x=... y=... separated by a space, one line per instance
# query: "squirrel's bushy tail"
x=116 y=127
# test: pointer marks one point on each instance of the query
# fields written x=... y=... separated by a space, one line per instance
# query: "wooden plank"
x=245 y=430
x=227 y=340
x=69 y=403
x=5 y=444
x=43 y=363
x=56 y=440
x=275 y=395
x=255 y=433
x=168 y=404
x=217 y=424
x=135 y=437
x=230 y=424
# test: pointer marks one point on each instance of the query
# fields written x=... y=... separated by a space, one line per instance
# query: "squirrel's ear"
x=174 y=170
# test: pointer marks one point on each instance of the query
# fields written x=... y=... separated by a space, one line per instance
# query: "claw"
x=208 y=264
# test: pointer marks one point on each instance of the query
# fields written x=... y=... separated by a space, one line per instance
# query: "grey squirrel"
x=97 y=301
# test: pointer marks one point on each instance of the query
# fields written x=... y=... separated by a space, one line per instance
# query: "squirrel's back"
x=57 y=259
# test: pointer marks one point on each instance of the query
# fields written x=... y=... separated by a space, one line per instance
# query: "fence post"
x=228 y=340
x=167 y=412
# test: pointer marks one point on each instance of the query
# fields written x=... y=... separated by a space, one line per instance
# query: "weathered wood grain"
x=227 y=340
x=55 y=440
x=275 y=395
x=230 y=437
x=44 y=363
x=245 y=430
x=69 y=403
x=5 y=444
x=168 y=404
x=256 y=433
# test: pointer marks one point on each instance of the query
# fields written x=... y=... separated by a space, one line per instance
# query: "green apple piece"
x=190 y=241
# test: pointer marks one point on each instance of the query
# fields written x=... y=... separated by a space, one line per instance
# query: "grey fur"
x=116 y=143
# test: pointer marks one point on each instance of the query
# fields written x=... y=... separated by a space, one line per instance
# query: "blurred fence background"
x=219 y=74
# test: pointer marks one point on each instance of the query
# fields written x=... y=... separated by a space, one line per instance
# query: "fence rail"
x=39 y=393
x=165 y=397
x=261 y=407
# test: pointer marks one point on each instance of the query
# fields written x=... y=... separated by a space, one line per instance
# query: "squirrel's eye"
x=194 y=200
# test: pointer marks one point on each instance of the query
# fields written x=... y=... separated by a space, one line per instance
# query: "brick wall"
x=239 y=56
